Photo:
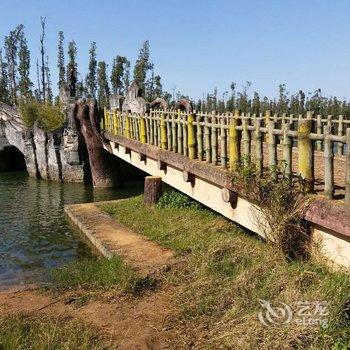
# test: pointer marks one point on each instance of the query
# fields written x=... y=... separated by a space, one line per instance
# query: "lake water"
x=35 y=235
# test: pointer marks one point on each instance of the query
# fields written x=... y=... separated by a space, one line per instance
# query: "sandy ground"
x=124 y=322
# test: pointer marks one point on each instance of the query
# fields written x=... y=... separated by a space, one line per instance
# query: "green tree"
x=72 y=67
x=91 y=77
x=158 y=86
x=48 y=92
x=4 y=93
x=120 y=69
x=256 y=104
x=81 y=89
x=126 y=78
x=11 y=52
x=142 y=66
x=25 y=83
x=243 y=102
x=102 y=83
x=60 y=62
x=283 y=101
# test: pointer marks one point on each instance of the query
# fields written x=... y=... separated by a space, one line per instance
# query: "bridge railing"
x=315 y=149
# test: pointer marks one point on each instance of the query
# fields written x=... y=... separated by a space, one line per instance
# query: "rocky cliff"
x=48 y=155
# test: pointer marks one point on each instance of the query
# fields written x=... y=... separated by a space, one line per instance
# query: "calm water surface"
x=34 y=233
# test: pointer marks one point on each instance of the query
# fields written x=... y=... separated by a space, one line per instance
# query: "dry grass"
x=28 y=332
x=224 y=274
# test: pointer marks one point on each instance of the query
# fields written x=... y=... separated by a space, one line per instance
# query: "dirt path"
x=124 y=322
x=112 y=238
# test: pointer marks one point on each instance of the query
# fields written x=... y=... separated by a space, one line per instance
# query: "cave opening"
x=11 y=159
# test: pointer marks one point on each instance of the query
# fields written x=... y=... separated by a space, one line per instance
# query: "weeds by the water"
x=101 y=275
x=94 y=274
x=27 y=332
x=226 y=273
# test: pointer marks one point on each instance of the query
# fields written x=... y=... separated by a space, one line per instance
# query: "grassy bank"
x=43 y=332
x=225 y=273
x=100 y=275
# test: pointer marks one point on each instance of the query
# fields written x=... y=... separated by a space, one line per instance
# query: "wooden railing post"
x=191 y=136
x=207 y=140
x=159 y=132
x=115 y=122
x=173 y=133
x=143 y=133
x=214 y=140
x=328 y=163
x=347 y=171
x=199 y=138
x=168 y=131
x=234 y=142
x=340 y=133
x=258 y=140
x=246 y=139
x=272 y=149
x=127 y=126
x=267 y=121
x=184 y=135
x=163 y=133
x=151 y=130
x=319 y=132
x=179 y=133
x=223 y=148
x=306 y=155
x=287 y=151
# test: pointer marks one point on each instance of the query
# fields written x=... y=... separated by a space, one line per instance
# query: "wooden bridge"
x=198 y=153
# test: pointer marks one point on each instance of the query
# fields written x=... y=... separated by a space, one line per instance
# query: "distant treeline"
x=103 y=79
x=296 y=104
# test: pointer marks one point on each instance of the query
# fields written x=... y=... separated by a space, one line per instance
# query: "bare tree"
x=42 y=53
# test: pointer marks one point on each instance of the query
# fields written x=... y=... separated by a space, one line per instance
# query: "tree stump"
x=153 y=189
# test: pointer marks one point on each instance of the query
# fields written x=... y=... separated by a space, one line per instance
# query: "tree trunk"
x=153 y=189
x=105 y=168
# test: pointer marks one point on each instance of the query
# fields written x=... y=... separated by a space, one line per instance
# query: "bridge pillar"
x=153 y=189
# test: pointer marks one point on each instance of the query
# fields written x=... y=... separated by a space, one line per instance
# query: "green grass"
x=91 y=274
x=99 y=275
x=226 y=272
x=26 y=332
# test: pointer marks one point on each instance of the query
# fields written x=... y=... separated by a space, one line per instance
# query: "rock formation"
x=48 y=155
x=105 y=168
x=133 y=101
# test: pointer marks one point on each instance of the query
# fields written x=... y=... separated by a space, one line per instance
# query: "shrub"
x=177 y=199
x=48 y=116
x=29 y=112
x=279 y=209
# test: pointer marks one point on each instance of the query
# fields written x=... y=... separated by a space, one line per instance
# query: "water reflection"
x=34 y=233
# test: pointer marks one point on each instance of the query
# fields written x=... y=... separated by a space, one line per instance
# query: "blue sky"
x=198 y=45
